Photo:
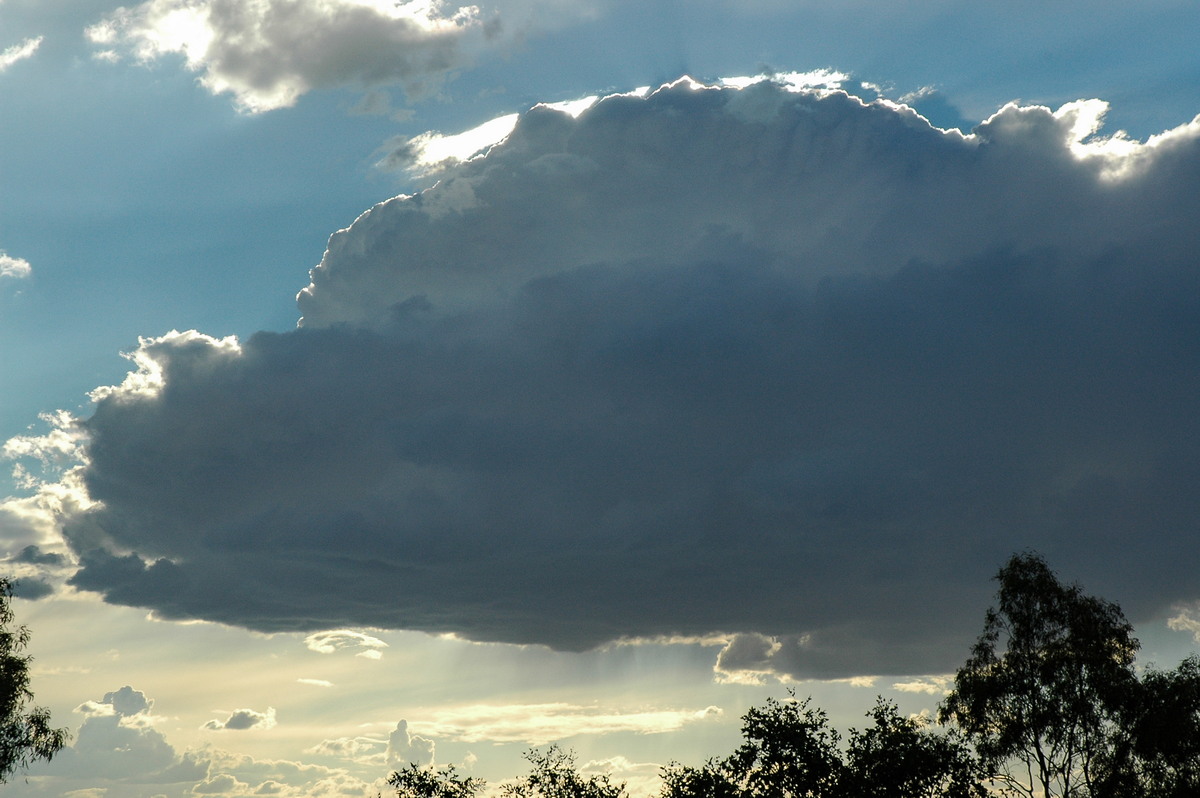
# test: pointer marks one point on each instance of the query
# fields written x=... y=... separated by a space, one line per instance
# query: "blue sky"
x=668 y=402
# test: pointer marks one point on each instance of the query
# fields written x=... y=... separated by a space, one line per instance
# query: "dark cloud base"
x=720 y=434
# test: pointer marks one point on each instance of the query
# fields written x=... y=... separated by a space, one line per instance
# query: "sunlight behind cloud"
x=432 y=150
x=147 y=379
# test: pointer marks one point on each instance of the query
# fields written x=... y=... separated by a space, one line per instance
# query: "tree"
x=553 y=775
x=900 y=757
x=1158 y=747
x=25 y=732
x=790 y=751
x=415 y=781
x=1042 y=695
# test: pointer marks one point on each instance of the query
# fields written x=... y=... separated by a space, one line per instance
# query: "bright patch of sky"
x=593 y=327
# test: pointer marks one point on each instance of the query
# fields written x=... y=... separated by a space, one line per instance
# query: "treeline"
x=1049 y=704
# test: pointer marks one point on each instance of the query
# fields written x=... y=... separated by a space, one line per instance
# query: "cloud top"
x=756 y=360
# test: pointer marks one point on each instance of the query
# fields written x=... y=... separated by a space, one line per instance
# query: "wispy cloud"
x=8 y=57
x=538 y=724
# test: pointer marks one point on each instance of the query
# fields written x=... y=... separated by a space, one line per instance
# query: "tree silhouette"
x=901 y=757
x=25 y=732
x=553 y=775
x=1157 y=748
x=414 y=781
x=790 y=751
x=1042 y=694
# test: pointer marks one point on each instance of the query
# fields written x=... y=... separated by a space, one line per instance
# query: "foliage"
x=25 y=732
x=901 y=757
x=1157 y=749
x=790 y=751
x=415 y=781
x=553 y=775
x=1044 y=688
x=709 y=781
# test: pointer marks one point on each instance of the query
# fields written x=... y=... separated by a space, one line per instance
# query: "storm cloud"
x=781 y=363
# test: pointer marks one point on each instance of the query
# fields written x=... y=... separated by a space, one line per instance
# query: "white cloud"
x=341 y=639
x=930 y=685
x=708 y=361
x=404 y=747
x=1186 y=621
x=267 y=53
x=118 y=742
x=359 y=749
x=316 y=682
x=16 y=268
x=8 y=57
x=243 y=719
x=539 y=724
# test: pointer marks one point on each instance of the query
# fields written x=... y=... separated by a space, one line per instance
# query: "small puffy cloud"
x=123 y=703
x=35 y=556
x=1187 y=621
x=746 y=658
x=16 y=268
x=267 y=53
x=343 y=640
x=315 y=682
x=243 y=719
x=775 y=364
x=8 y=57
x=404 y=747
x=127 y=701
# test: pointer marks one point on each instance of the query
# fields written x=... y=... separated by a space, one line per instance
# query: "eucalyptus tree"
x=25 y=731
x=1044 y=691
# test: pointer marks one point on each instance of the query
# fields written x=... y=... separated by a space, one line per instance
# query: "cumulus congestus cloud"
x=759 y=361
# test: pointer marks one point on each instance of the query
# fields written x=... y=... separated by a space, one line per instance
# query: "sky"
x=389 y=382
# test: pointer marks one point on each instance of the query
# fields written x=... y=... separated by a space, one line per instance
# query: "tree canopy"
x=25 y=731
